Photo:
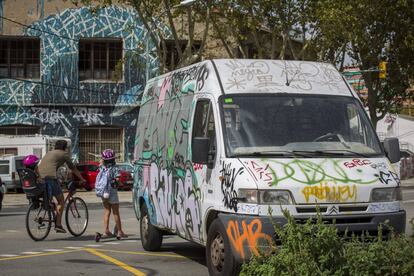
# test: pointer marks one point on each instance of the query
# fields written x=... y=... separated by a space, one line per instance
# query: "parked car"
x=89 y=171
x=2 y=192
x=126 y=167
x=8 y=172
x=125 y=181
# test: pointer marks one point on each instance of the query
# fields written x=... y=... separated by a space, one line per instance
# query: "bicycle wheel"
x=38 y=221
x=76 y=216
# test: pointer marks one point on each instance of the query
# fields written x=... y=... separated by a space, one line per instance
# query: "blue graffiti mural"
x=59 y=102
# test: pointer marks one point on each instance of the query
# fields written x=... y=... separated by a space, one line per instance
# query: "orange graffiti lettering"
x=331 y=193
x=251 y=234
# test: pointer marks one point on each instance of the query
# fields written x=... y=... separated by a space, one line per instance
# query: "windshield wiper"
x=341 y=152
x=283 y=153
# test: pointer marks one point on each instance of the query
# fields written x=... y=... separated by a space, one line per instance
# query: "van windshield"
x=292 y=125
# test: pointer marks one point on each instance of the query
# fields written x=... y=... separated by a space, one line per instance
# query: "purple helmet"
x=30 y=160
x=108 y=154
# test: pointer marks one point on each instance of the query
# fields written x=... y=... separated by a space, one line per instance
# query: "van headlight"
x=279 y=197
x=386 y=194
x=247 y=196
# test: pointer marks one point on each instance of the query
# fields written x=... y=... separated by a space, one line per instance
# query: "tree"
x=371 y=32
x=161 y=20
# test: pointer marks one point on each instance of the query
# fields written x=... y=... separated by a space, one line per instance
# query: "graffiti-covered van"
x=221 y=143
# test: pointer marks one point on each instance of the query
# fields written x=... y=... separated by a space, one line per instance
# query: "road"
x=62 y=254
x=65 y=255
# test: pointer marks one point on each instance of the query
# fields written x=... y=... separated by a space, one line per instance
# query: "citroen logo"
x=334 y=209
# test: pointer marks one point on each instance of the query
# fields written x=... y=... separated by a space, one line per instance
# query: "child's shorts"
x=113 y=197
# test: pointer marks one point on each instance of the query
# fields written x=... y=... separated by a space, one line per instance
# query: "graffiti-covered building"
x=72 y=71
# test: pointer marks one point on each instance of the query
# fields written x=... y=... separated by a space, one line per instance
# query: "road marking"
x=129 y=241
x=31 y=253
x=53 y=250
x=12 y=231
x=143 y=253
x=37 y=255
x=93 y=245
x=112 y=243
x=116 y=262
x=409 y=201
x=8 y=255
x=74 y=247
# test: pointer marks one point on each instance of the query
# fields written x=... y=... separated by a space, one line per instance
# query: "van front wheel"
x=220 y=260
x=151 y=237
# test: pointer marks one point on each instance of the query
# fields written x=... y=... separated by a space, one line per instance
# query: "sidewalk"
x=13 y=199
x=407 y=183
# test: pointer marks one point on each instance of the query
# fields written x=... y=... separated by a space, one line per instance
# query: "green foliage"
x=315 y=248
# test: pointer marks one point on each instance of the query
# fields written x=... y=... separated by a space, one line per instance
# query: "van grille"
x=342 y=220
x=323 y=209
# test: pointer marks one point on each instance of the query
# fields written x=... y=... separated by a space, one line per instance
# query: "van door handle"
x=210 y=191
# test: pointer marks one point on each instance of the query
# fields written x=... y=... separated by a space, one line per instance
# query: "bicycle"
x=42 y=210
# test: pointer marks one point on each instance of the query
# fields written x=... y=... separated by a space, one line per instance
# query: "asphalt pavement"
x=66 y=255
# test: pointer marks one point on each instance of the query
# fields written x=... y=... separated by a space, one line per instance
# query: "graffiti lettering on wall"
x=357 y=163
x=260 y=172
x=311 y=173
x=88 y=116
x=227 y=178
x=330 y=193
x=249 y=236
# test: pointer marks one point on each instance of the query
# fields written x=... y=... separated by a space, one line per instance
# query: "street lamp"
x=184 y=3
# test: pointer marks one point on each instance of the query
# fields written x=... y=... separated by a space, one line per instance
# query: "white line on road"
x=93 y=245
x=73 y=247
x=12 y=231
x=31 y=253
x=129 y=241
x=53 y=250
x=8 y=255
x=112 y=243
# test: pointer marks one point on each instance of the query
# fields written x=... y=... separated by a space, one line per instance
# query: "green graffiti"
x=188 y=88
x=310 y=173
x=171 y=142
x=146 y=155
x=184 y=124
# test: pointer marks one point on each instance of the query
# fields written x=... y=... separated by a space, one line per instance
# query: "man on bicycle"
x=47 y=170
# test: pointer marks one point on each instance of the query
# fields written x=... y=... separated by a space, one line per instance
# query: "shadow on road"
x=191 y=251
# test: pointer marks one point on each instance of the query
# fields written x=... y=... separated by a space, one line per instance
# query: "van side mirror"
x=392 y=149
x=199 y=148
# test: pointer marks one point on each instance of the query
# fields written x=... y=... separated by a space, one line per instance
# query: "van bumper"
x=250 y=235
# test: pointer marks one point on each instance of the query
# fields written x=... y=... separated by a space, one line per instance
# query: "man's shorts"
x=53 y=187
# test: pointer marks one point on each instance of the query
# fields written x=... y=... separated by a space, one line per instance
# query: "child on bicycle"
x=110 y=195
x=30 y=162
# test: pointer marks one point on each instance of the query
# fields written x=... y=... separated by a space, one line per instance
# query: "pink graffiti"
x=164 y=89
x=260 y=172
x=356 y=163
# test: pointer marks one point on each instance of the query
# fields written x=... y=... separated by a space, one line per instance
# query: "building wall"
x=58 y=102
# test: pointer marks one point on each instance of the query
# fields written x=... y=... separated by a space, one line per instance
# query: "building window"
x=19 y=130
x=8 y=151
x=98 y=59
x=20 y=57
x=171 y=53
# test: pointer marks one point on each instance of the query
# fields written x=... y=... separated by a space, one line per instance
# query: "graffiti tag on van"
x=250 y=235
x=227 y=178
x=337 y=193
x=357 y=163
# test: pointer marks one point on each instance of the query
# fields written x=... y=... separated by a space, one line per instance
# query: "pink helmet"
x=30 y=160
x=108 y=154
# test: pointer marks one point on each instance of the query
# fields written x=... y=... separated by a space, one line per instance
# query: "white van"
x=8 y=172
x=222 y=142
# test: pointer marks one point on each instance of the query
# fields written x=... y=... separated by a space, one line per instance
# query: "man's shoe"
x=59 y=229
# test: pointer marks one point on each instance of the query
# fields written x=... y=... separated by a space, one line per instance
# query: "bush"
x=317 y=249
